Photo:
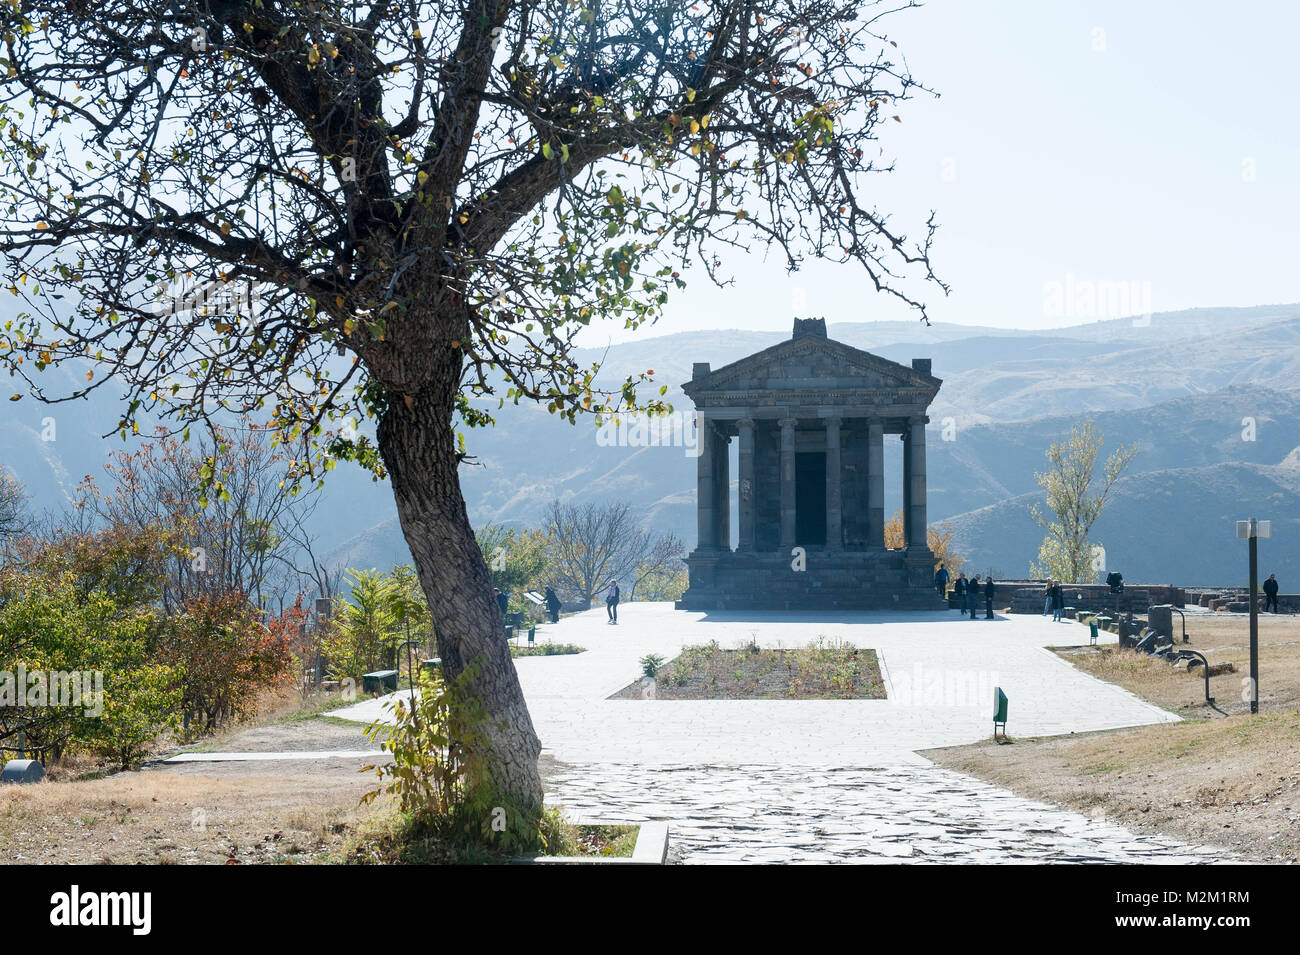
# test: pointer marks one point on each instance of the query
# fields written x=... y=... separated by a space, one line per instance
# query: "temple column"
x=917 y=523
x=745 y=491
x=834 y=509
x=722 y=489
x=787 y=482
x=704 y=497
x=907 y=487
x=875 y=484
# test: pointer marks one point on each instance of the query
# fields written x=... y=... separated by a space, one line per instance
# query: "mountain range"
x=1207 y=395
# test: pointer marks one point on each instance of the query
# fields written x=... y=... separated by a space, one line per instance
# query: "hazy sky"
x=1146 y=142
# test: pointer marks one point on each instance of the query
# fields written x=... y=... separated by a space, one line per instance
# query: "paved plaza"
x=819 y=780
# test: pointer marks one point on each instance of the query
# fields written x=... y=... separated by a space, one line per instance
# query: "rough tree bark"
x=417 y=441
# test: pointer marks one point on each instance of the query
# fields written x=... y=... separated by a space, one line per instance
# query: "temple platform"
x=828 y=580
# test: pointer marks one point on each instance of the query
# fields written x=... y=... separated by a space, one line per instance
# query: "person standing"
x=989 y=590
x=1047 y=597
x=973 y=595
x=611 y=601
x=552 y=605
x=1270 y=593
x=503 y=601
x=959 y=588
x=941 y=581
x=1058 y=602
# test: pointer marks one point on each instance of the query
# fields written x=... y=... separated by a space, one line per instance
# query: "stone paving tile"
x=772 y=814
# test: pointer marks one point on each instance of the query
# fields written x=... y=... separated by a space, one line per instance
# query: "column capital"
x=787 y=424
x=832 y=421
x=745 y=422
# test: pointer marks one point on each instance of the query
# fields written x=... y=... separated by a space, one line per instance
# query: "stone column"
x=875 y=484
x=787 y=482
x=917 y=524
x=834 y=509
x=704 y=496
x=907 y=487
x=722 y=489
x=745 y=492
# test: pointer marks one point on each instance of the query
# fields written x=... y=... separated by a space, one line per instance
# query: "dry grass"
x=1223 y=638
x=244 y=812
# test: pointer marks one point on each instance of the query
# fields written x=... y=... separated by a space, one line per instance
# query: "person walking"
x=989 y=590
x=972 y=595
x=552 y=605
x=1058 y=602
x=941 y=581
x=1270 y=593
x=959 y=588
x=611 y=600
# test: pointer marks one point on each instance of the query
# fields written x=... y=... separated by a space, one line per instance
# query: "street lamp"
x=1252 y=530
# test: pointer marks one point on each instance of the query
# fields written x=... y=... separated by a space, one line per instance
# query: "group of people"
x=553 y=603
x=968 y=592
x=1053 y=600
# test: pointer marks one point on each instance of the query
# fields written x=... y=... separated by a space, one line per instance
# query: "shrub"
x=437 y=773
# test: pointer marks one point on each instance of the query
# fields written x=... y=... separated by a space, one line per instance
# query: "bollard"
x=22 y=771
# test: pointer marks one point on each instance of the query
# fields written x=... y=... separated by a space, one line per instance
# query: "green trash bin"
x=999 y=712
x=1092 y=630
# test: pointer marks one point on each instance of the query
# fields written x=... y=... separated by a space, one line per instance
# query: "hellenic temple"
x=811 y=416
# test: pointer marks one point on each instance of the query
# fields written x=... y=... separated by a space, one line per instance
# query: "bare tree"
x=228 y=192
x=238 y=538
x=13 y=505
x=594 y=543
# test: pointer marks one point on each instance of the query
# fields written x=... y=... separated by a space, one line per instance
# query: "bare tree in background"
x=241 y=539
x=594 y=543
x=13 y=506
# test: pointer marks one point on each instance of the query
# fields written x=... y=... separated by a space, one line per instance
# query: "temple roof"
x=809 y=363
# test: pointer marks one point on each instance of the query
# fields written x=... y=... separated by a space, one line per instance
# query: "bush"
x=224 y=657
x=437 y=774
x=49 y=625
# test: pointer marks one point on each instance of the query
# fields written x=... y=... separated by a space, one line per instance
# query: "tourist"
x=941 y=581
x=988 y=599
x=959 y=588
x=611 y=601
x=1047 y=596
x=1058 y=602
x=1270 y=593
x=973 y=595
x=552 y=605
x=503 y=602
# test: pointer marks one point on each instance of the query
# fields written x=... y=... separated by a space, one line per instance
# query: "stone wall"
x=1026 y=596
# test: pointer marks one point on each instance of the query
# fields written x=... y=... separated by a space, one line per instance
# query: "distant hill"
x=1179 y=386
x=1176 y=525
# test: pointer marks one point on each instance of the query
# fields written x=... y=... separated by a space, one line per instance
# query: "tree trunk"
x=418 y=446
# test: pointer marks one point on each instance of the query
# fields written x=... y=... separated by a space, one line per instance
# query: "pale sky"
x=1145 y=142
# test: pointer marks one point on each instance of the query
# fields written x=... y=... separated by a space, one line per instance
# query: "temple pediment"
x=809 y=362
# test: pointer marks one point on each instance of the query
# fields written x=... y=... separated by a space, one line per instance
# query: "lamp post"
x=1252 y=530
